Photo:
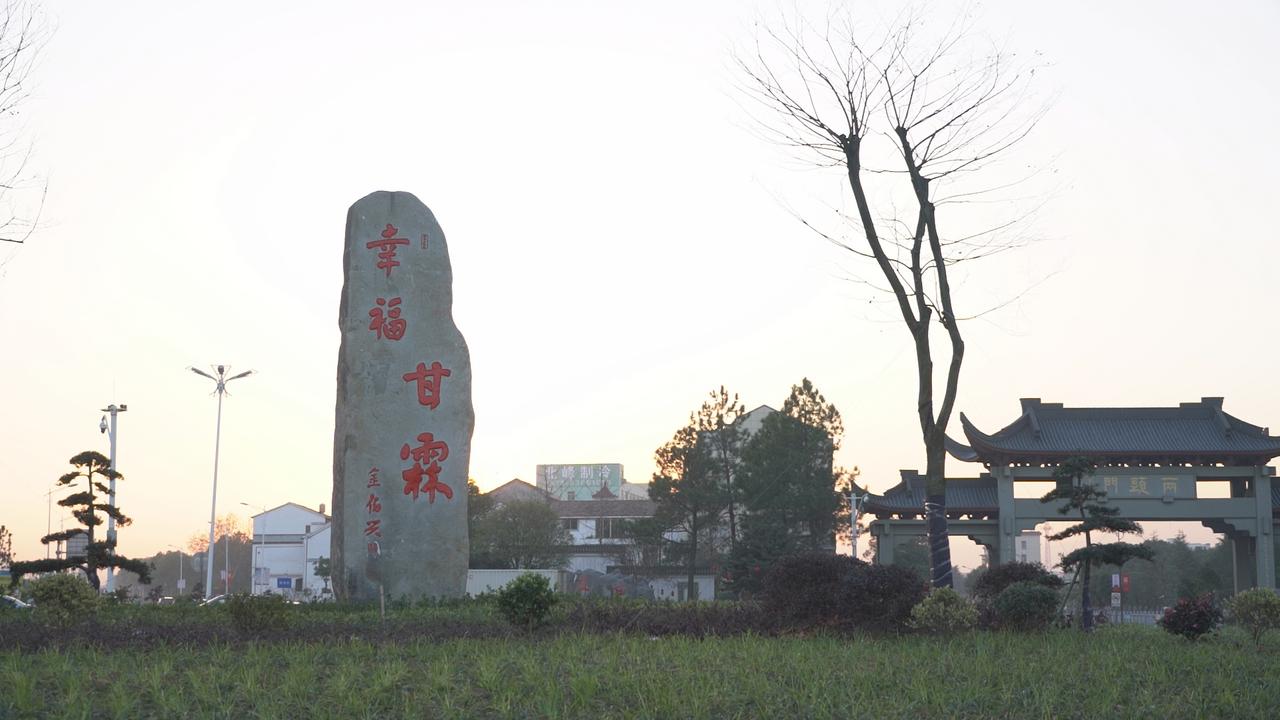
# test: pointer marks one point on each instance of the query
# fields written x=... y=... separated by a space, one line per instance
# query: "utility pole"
x=182 y=581
x=112 y=410
x=855 y=510
x=220 y=390
x=48 y=523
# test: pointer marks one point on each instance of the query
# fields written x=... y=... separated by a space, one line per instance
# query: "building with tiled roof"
x=1152 y=462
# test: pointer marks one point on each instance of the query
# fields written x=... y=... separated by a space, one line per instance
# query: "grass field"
x=1116 y=673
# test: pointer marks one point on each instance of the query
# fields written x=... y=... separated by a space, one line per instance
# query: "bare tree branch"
x=947 y=109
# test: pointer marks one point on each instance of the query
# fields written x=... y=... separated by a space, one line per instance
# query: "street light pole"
x=220 y=390
x=113 y=410
x=182 y=581
x=48 y=522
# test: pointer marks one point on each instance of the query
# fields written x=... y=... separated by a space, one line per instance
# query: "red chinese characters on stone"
x=387 y=248
x=373 y=506
x=385 y=319
x=426 y=459
x=428 y=380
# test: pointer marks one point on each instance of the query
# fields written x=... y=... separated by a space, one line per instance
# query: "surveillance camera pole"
x=220 y=390
x=112 y=410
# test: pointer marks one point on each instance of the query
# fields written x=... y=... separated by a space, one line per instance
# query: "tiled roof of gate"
x=1194 y=432
x=964 y=495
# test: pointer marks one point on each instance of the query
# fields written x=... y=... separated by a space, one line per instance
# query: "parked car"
x=166 y=600
x=10 y=601
x=215 y=600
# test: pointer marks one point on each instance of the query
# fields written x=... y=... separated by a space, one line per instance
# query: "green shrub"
x=825 y=589
x=1257 y=611
x=527 y=600
x=257 y=614
x=1192 y=617
x=944 y=611
x=880 y=597
x=807 y=589
x=993 y=581
x=63 y=600
x=1026 y=606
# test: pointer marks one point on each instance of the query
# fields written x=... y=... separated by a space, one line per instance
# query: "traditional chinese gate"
x=1155 y=466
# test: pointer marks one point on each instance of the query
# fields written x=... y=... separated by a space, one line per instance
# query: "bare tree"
x=934 y=113
x=22 y=33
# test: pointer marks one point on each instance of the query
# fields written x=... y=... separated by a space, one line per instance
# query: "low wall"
x=482 y=581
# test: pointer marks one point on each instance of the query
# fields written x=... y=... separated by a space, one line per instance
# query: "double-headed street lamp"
x=220 y=390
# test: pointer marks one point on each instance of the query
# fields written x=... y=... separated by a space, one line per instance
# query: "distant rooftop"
x=604 y=508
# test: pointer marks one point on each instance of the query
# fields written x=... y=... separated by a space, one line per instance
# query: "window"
x=570 y=523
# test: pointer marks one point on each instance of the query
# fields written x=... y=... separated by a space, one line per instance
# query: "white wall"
x=481 y=581
x=634 y=491
x=1027 y=547
x=578 y=563
x=276 y=561
x=317 y=546
x=667 y=588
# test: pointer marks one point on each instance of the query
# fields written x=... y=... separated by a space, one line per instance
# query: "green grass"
x=1116 y=673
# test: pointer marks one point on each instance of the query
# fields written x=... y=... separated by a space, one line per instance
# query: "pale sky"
x=621 y=239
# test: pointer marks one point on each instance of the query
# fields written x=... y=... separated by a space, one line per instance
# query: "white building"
x=287 y=542
x=1027 y=547
x=595 y=525
x=596 y=530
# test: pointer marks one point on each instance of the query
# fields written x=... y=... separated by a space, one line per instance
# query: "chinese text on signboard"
x=580 y=482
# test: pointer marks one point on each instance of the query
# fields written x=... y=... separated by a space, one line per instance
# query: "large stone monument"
x=402 y=438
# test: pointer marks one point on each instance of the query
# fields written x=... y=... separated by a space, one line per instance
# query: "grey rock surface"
x=402 y=436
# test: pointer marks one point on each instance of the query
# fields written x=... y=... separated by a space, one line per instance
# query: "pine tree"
x=687 y=492
x=1082 y=497
x=85 y=507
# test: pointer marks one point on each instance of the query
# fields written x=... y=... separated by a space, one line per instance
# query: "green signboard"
x=1149 y=486
x=581 y=481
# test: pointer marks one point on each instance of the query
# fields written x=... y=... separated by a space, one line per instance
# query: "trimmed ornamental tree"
x=87 y=506
x=1082 y=498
